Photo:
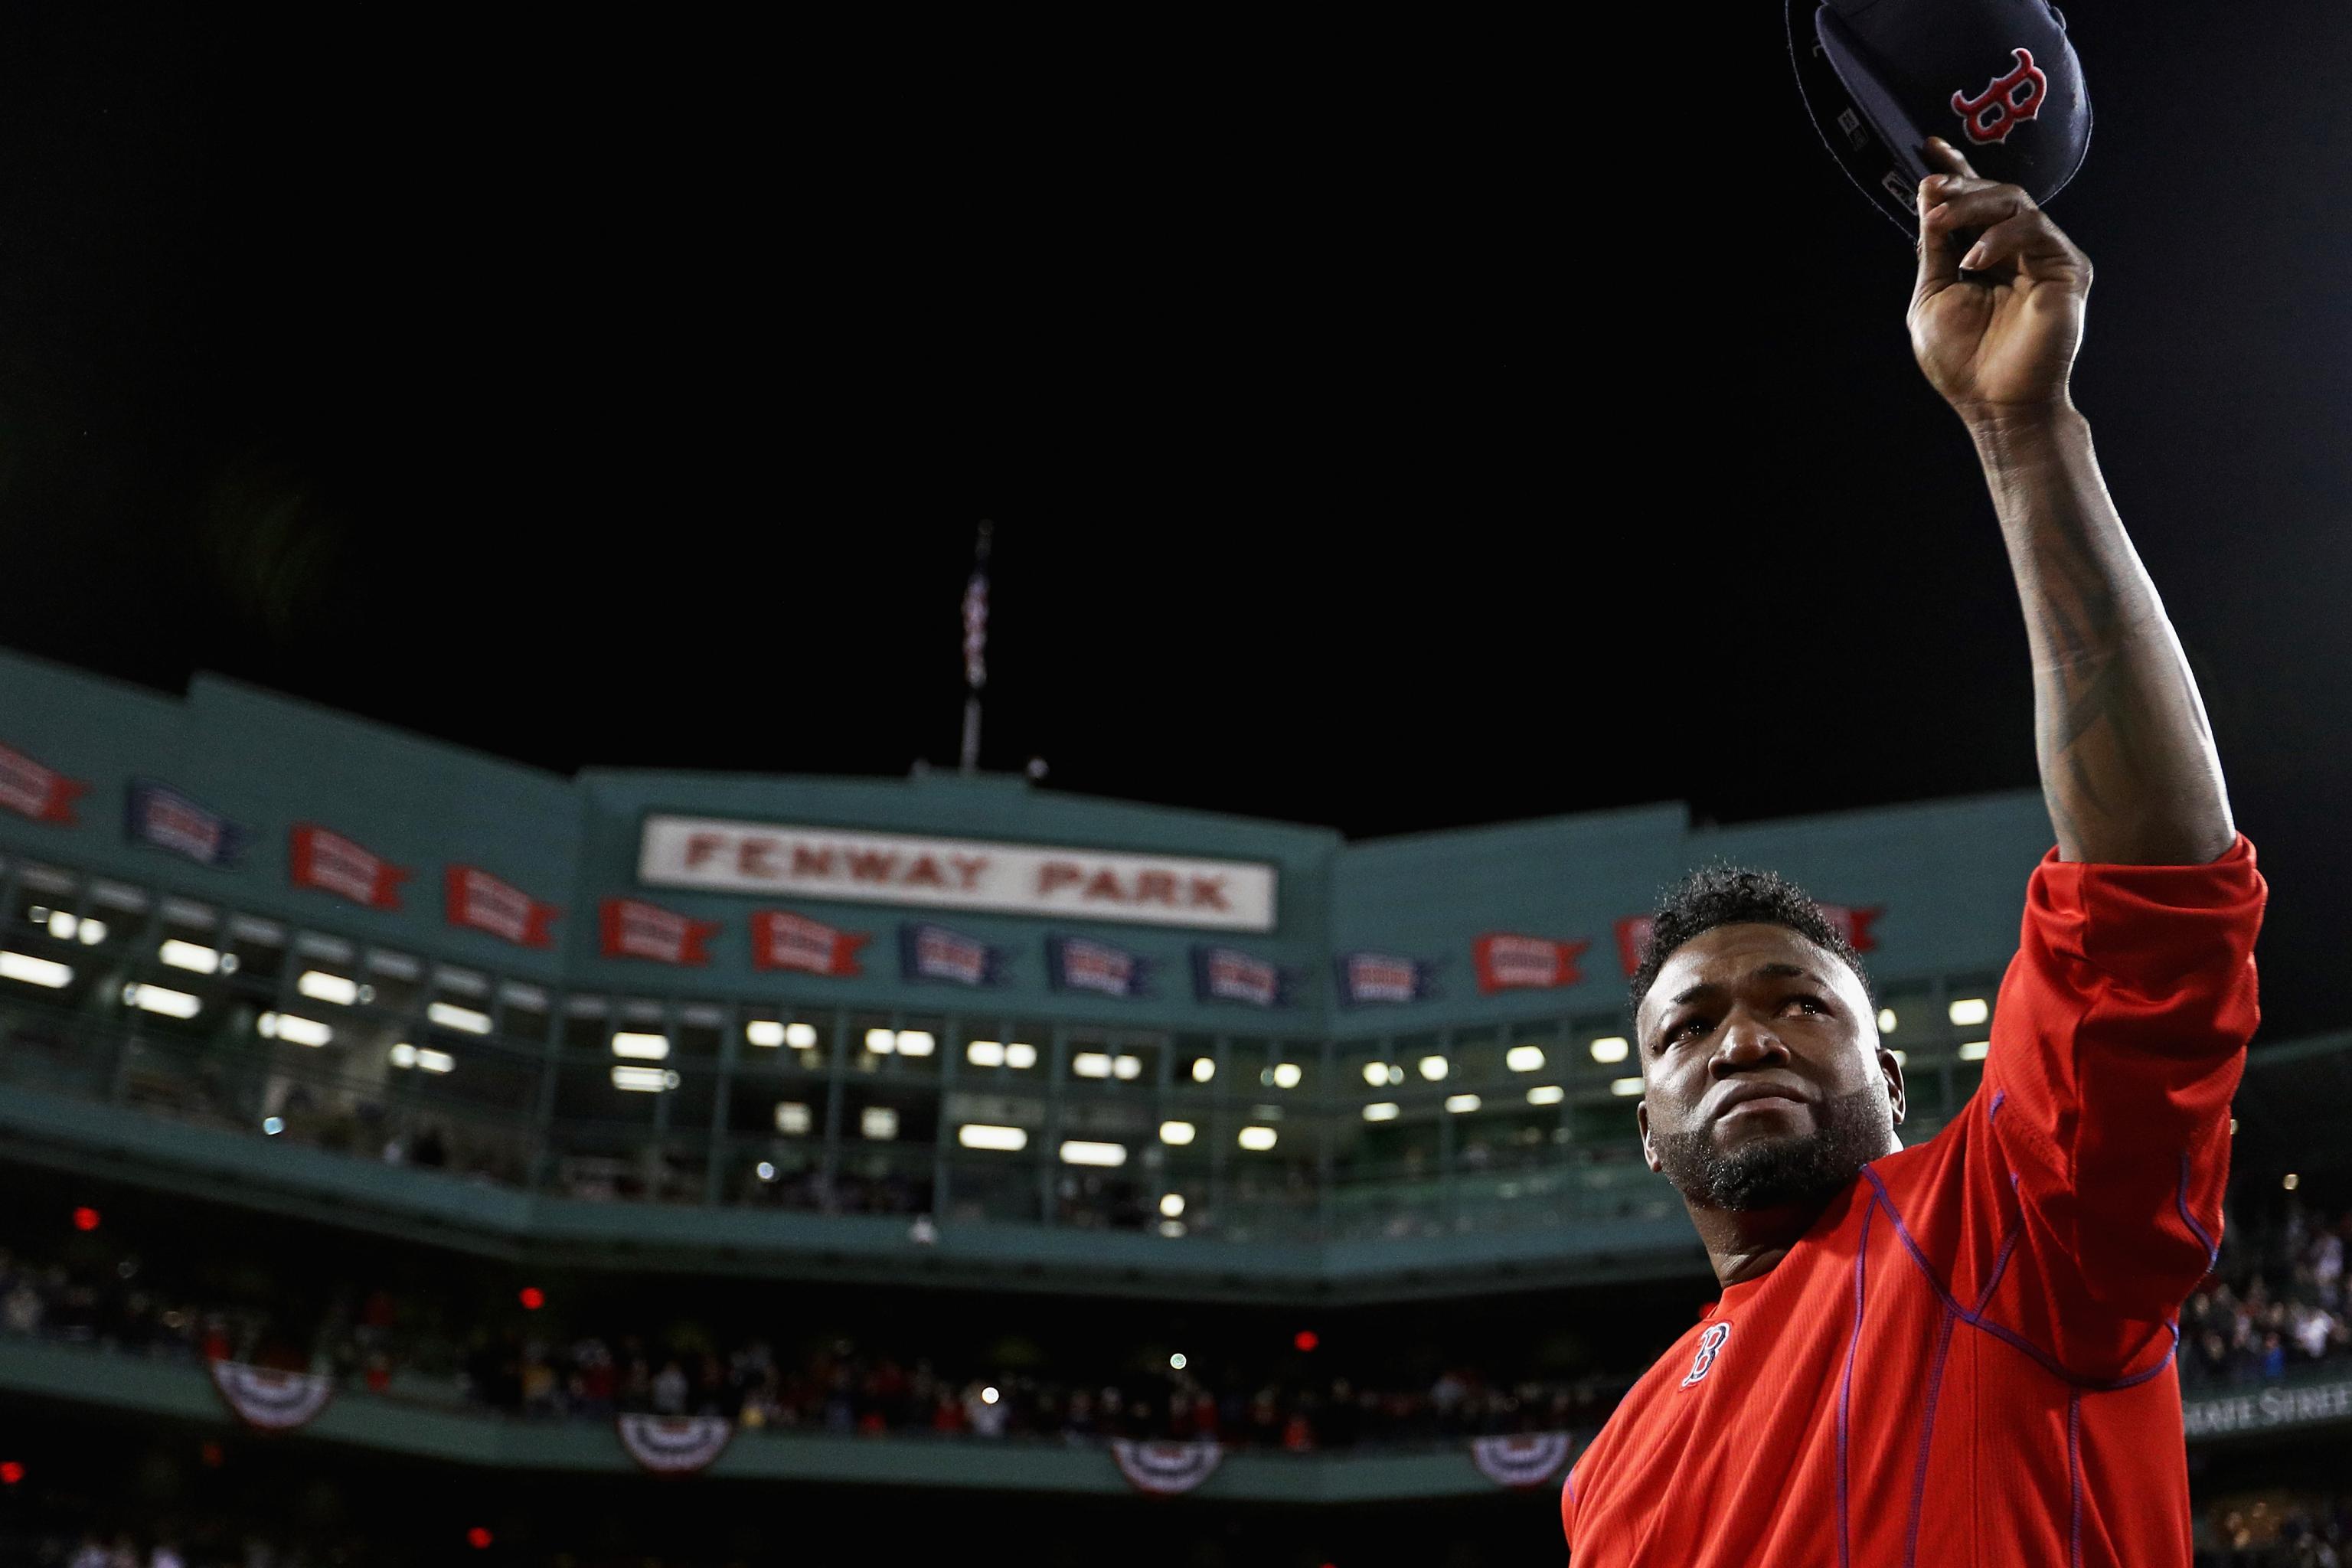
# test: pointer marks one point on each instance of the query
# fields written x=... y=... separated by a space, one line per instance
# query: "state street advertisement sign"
x=955 y=874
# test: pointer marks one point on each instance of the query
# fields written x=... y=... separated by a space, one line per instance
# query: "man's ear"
x=1896 y=1096
x=1642 y=1121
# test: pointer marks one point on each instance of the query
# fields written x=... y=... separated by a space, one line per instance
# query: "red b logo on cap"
x=1993 y=113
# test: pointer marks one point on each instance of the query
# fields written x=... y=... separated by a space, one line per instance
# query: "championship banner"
x=1383 y=977
x=479 y=902
x=28 y=789
x=1081 y=964
x=271 y=1401
x=334 y=864
x=1523 y=1462
x=1228 y=974
x=676 y=1445
x=1634 y=931
x=935 y=952
x=1507 y=962
x=1164 y=1470
x=781 y=940
x=159 y=816
x=633 y=929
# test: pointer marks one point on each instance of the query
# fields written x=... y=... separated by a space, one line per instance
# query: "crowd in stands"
x=2276 y=1301
x=2276 y=1532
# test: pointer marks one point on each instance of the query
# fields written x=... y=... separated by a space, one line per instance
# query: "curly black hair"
x=1722 y=895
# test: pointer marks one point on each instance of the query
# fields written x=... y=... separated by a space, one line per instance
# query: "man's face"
x=1765 y=1083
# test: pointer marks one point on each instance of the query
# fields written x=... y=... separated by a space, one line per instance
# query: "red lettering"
x=808 y=862
x=753 y=858
x=1055 y=874
x=1106 y=886
x=968 y=869
x=872 y=864
x=1155 y=888
x=701 y=847
x=1209 y=892
x=925 y=871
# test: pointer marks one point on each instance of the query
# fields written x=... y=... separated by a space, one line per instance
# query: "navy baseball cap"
x=1997 y=79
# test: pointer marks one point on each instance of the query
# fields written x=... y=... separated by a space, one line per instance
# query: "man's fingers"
x=2027 y=238
x=1977 y=208
x=1945 y=158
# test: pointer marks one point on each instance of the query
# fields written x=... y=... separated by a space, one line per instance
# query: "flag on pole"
x=975 y=627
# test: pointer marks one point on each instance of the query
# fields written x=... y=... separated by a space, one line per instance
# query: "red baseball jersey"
x=1968 y=1361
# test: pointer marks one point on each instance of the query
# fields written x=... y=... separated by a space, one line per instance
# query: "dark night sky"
x=1388 y=428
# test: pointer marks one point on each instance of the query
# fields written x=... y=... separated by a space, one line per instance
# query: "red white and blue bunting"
x=936 y=954
x=1373 y=977
x=676 y=1445
x=268 y=1400
x=43 y=793
x=1082 y=964
x=1528 y=1460
x=1229 y=975
x=1165 y=1470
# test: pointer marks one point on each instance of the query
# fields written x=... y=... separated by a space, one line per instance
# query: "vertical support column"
x=542 y=1121
x=1056 y=1081
x=1212 y=1128
x=830 y=1154
x=1447 y=1187
x=721 y=1152
x=952 y=1030
x=1327 y=1154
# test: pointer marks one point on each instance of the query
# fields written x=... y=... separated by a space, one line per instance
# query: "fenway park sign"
x=955 y=874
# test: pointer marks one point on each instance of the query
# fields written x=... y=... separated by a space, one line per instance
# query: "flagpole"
x=975 y=649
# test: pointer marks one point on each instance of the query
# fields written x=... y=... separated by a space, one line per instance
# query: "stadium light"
x=1976 y=1050
x=2291 y=1181
x=989 y=1397
x=162 y=999
x=641 y=1048
x=1091 y=1063
x=321 y=986
x=1083 y=1152
x=1383 y=1110
x=464 y=1020
x=1177 y=1132
x=878 y=1122
x=1257 y=1138
x=1610 y=1049
x=643 y=1080
x=985 y=1053
x=881 y=1042
x=1177 y=1362
x=1546 y=1094
x=291 y=1026
x=1020 y=1056
x=1902 y=1058
x=67 y=928
x=801 y=1037
x=765 y=1171
x=1286 y=1075
x=1171 y=1205
x=1203 y=1068
x=793 y=1117
x=1886 y=1020
x=916 y=1043
x=1459 y=1103
x=432 y=1060
x=43 y=972
x=1435 y=1068
x=1625 y=1088
x=764 y=1032
x=403 y=1055
x=1524 y=1058
x=1376 y=1073
x=1969 y=1011
x=1126 y=1068
x=271 y=1126
x=979 y=1135
x=193 y=957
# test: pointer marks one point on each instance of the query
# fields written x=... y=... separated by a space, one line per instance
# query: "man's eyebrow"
x=1774 y=970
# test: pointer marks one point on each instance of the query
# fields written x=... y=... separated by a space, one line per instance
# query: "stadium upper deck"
x=963 y=998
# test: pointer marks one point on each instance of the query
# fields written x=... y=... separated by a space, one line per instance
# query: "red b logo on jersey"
x=1709 y=1343
x=2011 y=100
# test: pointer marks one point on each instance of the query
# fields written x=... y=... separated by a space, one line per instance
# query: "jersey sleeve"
x=2118 y=1042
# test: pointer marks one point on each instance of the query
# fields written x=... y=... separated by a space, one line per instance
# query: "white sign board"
x=955 y=874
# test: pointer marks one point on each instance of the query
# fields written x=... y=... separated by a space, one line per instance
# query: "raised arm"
x=2128 y=759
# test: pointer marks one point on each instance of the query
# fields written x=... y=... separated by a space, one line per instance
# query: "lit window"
x=163 y=999
x=1546 y=1094
x=1020 y=1056
x=1203 y=1068
x=1971 y=1011
x=403 y=1055
x=1376 y=1073
x=1257 y=1138
x=801 y=1037
x=449 y=1015
x=432 y=1060
x=1091 y=1063
x=1433 y=1068
x=34 y=971
x=1458 y=1103
x=643 y=1080
x=1286 y=1075
x=881 y=1042
x=1610 y=1049
x=1976 y=1050
x=288 y=1027
x=1382 y=1111
x=792 y=1116
x=764 y=1032
x=985 y=1053
x=1524 y=1058
x=916 y=1043
x=193 y=957
x=1171 y=1205
x=641 y=1048
x=1177 y=1132
x=1125 y=1069
x=1080 y=1152
x=65 y=928
x=1625 y=1088
x=321 y=986
x=878 y=1122
x=1886 y=1020
x=974 y=1135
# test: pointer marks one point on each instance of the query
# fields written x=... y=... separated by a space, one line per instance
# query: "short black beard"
x=1776 y=1172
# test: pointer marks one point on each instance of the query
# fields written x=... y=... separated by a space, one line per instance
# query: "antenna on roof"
x=975 y=650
